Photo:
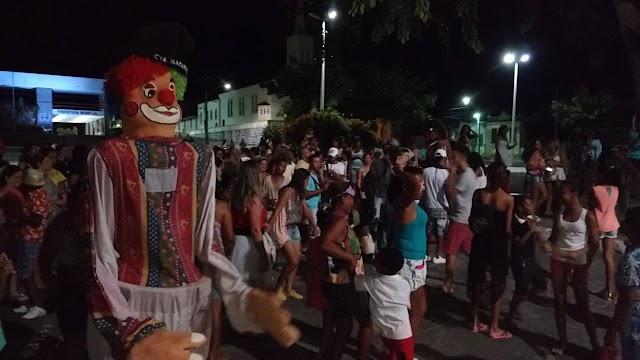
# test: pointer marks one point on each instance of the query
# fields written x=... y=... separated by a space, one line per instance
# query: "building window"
x=230 y=108
x=268 y=111
x=254 y=104
x=210 y=114
x=241 y=106
x=216 y=112
x=223 y=122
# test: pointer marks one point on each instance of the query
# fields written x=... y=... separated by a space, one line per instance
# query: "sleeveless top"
x=271 y=190
x=337 y=268
x=411 y=238
x=607 y=198
x=241 y=223
x=294 y=209
x=535 y=161
x=572 y=236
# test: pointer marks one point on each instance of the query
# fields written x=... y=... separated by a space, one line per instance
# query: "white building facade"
x=236 y=115
x=243 y=114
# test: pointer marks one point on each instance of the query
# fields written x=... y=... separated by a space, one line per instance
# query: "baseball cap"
x=441 y=153
x=333 y=152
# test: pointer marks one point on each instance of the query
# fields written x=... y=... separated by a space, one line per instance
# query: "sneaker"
x=438 y=260
x=294 y=295
x=20 y=310
x=34 y=312
x=280 y=294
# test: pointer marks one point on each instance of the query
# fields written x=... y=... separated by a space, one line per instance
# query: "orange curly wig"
x=131 y=73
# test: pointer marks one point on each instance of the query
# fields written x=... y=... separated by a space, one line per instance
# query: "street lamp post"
x=331 y=15
x=511 y=58
x=227 y=87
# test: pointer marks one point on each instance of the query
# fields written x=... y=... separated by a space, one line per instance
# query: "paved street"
x=444 y=334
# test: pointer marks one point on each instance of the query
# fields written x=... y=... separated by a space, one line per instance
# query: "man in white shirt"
x=336 y=170
x=389 y=304
x=435 y=203
x=460 y=187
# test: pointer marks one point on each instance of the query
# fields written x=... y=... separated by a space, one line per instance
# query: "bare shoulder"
x=255 y=201
x=222 y=206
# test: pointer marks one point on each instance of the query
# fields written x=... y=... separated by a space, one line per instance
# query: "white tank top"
x=572 y=236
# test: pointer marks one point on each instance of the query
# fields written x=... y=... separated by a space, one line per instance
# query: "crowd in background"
x=369 y=223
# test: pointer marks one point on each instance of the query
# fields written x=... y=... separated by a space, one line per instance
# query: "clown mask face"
x=152 y=108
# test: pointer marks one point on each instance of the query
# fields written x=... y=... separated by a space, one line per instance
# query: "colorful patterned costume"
x=153 y=221
x=153 y=202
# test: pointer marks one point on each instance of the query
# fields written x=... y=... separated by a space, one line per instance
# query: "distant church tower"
x=300 y=43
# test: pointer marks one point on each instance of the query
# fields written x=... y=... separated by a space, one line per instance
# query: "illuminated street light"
x=227 y=86
x=331 y=15
x=477 y=116
x=511 y=58
x=466 y=100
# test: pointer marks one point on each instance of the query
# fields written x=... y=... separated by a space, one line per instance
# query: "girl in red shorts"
x=572 y=245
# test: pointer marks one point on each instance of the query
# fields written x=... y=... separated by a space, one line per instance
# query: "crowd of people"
x=370 y=223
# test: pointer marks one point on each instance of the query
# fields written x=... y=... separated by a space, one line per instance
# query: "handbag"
x=279 y=234
x=270 y=248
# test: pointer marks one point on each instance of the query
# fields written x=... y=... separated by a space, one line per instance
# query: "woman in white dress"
x=503 y=149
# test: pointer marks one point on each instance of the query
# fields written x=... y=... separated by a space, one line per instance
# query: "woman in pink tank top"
x=605 y=198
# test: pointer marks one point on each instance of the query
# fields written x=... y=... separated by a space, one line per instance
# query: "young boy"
x=525 y=269
x=389 y=304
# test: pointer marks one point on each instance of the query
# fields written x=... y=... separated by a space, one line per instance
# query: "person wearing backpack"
x=317 y=185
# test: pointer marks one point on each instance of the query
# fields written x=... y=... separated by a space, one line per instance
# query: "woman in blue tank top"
x=409 y=228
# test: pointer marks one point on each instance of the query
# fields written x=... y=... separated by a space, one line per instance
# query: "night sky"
x=243 y=42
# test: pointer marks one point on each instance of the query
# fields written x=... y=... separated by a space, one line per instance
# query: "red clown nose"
x=166 y=97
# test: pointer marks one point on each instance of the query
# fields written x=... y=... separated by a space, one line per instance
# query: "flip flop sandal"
x=482 y=328
x=505 y=335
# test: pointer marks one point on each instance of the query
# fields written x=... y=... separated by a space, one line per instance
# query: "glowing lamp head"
x=476 y=116
x=227 y=86
x=509 y=58
x=332 y=14
x=466 y=100
x=524 y=58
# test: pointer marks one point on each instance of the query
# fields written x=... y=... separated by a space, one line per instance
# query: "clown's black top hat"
x=169 y=43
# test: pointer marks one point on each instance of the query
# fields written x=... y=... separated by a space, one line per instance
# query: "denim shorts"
x=437 y=227
x=294 y=232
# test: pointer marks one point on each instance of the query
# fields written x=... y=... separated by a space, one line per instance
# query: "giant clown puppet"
x=153 y=222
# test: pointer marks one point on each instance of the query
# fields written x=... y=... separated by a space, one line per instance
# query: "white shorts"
x=415 y=272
